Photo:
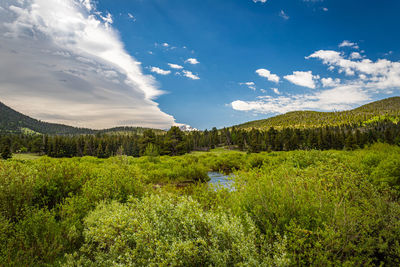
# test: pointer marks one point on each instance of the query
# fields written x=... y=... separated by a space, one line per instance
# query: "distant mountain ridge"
x=379 y=110
x=14 y=122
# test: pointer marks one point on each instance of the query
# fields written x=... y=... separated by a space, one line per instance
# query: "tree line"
x=175 y=142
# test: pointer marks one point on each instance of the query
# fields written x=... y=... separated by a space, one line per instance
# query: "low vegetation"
x=319 y=208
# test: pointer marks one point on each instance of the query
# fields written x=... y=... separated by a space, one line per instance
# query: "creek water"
x=219 y=179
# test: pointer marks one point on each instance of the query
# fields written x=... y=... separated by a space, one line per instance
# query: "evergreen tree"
x=6 y=152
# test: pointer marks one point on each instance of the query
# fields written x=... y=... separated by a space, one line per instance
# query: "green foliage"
x=34 y=240
x=325 y=206
x=6 y=152
x=298 y=208
x=166 y=231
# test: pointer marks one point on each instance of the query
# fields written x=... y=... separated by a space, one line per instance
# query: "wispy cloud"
x=175 y=66
x=250 y=85
x=276 y=91
x=190 y=75
x=283 y=15
x=130 y=16
x=68 y=65
x=347 y=43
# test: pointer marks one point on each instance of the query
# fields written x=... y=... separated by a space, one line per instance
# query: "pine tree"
x=6 y=152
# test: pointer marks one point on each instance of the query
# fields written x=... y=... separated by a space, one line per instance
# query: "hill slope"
x=387 y=108
x=12 y=121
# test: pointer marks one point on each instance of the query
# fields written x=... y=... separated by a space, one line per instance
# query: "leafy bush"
x=166 y=231
x=34 y=240
x=329 y=212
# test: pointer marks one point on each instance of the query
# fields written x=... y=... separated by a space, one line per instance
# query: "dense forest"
x=175 y=142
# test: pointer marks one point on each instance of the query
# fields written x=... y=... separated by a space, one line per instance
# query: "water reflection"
x=219 y=179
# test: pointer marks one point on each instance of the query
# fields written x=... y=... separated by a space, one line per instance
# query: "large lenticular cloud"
x=62 y=61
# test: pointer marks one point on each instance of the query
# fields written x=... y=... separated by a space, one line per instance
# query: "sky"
x=204 y=63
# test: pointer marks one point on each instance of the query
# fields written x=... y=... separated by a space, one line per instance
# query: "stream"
x=223 y=180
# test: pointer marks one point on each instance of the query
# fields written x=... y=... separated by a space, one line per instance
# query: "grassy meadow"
x=298 y=208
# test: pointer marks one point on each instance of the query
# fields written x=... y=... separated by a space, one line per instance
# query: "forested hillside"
x=14 y=122
x=376 y=111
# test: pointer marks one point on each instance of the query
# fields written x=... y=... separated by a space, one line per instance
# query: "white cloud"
x=303 y=78
x=192 y=61
x=175 y=66
x=250 y=85
x=160 y=71
x=355 y=55
x=87 y=4
x=325 y=9
x=347 y=43
x=132 y=17
x=381 y=75
x=283 y=15
x=267 y=74
x=334 y=99
x=329 y=82
x=261 y=1
x=365 y=79
x=107 y=19
x=190 y=75
x=165 y=44
x=276 y=91
x=69 y=65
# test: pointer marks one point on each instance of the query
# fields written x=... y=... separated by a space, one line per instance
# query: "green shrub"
x=329 y=212
x=166 y=231
x=36 y=240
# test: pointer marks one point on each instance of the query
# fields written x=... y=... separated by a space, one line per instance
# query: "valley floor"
x=318 y=208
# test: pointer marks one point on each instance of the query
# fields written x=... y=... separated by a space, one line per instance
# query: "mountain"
x=187 y=128
x=12 y=121
x=383 y=109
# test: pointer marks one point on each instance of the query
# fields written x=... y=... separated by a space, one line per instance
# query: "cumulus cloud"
x=261 y=1
x=175 y=66
x=364 y=79
x=267 y=74
x=192 y=61
x=355 y=55
x=303 y=78
x=250 y=85
x=347 y=43
x=190 y=75
x=61 y=61
x=329 y=82
x=160 y=71
x=334 y=99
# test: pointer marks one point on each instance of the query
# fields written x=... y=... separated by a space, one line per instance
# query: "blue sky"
x=233 y=61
